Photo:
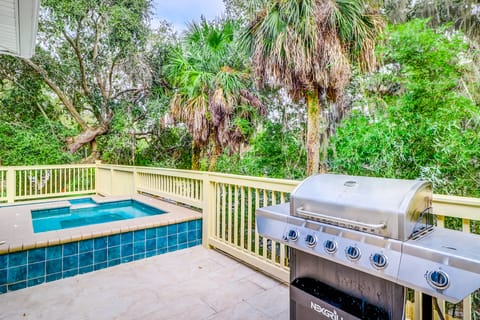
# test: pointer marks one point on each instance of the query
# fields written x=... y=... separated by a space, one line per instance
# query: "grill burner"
x=359 y=228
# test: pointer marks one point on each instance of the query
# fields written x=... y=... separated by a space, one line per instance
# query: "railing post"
x=97 y=163
x=208 y=210
x=135 y=181
x=11 y=183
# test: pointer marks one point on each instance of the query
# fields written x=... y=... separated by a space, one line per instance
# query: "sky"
x=179 y=12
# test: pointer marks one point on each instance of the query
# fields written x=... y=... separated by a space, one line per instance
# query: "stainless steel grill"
x=372 y=237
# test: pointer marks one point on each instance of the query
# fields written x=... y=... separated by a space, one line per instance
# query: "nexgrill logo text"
x=325 y=312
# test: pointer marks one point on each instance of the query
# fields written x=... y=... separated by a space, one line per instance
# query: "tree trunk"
x=217 y=151
x=196 y=149
x=313 y=131
x=85 y=137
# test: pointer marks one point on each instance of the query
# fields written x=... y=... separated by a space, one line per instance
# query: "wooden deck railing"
x=40 y=182
x=228 y=203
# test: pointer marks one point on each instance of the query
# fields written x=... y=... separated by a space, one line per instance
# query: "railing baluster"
x=224 y=209
x=257 y=237
x=467 y=302
x=249 y=220
x=229 y=213
x=235 y=216
x=242 y=217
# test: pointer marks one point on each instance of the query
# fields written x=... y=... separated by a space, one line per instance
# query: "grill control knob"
x=378 y=260
x=293 y=235
x=438 y=279
x=353 y=253
x=311 y=240
x=330 y=246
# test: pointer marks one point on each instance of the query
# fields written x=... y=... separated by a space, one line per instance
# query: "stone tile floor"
x=194 y=283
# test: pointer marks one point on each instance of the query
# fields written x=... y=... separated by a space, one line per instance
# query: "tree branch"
x=74 y=45
x=60 y=94
x=110 y=76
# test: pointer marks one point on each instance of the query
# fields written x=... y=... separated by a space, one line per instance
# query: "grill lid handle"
x=351 y=224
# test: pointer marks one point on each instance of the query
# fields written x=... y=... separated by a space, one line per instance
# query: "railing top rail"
x=464 y=201
x=46 y=166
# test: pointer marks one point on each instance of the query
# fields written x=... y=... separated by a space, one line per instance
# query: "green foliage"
x=33 y=144
x=422 y=124
x=276 y=152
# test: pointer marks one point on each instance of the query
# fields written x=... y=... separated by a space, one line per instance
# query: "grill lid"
x=391 y=208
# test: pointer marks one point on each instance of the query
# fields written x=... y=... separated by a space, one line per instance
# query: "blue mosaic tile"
x=36 y=270
x=151 y=233
x=54 y=266
x=70 y=273
x=172 y=240
x=139 y=235
x=53 y=277
x=70 y=249
x=191 y=225
x=3 y=261
x=85 y=245
x=182 y=227
x=100 y=243
x=127 y=259
x=139 y=256
x=192 y=235
x=48 y=264
x=17 y=286
x=138 y=247
x=114 y=253
x=127 y=237
x=70 y=262
x=100 y=266
x=114 y=240
x=86 y=269
x=36 y=255
x=3 y=277
x=85 y=259
x=150 y=253
x=99 y=256
x=16 y=274
x=114 y=262
x=127 y=249
x=17 y=259
x=162 y=242
x=172 y=229
x=34 y=282
x=182 y=237
x=161 y=231
x=54 y=252
x=150 y=244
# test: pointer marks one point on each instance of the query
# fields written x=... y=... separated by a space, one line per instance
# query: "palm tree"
x=308 y=46
x=211 y=89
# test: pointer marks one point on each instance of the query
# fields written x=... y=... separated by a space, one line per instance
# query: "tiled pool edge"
x=32 y=267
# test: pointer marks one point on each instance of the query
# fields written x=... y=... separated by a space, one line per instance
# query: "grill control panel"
x=346 y=247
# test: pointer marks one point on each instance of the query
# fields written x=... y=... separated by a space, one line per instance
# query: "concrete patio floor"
x=193 y=283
